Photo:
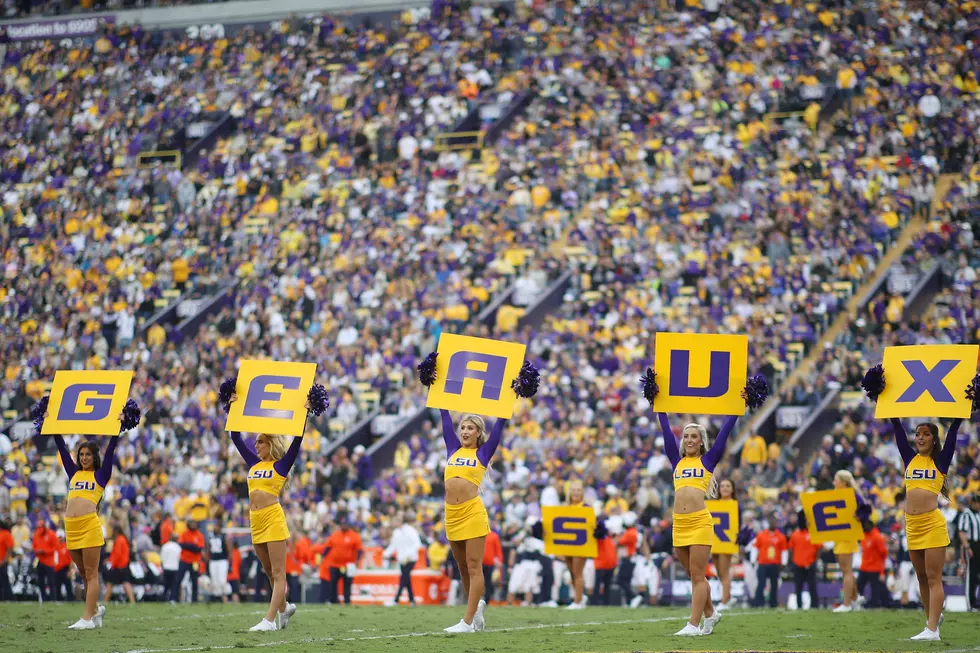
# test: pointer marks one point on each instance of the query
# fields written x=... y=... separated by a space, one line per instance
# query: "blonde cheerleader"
x=268 y=470
x=469 y=451
x=693 y=527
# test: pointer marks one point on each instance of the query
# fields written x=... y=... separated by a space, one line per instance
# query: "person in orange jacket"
x=299 y=554
x=6 y=547
x=44 y=543
x=62 y=565
x=605 y=566
x=493 y=558
x=191 y=542
x=770 y=543
x=341 y=551
x=874 y=554
x=117 y=571
x=234 y=572
x=804 y=557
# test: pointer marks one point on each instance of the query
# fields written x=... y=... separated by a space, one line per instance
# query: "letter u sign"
x=701 y=373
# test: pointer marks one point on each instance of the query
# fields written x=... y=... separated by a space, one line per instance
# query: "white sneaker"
x=97 y=619
x=461 y=627
x=636 y=602
x=479 y=623
x=82 y=624
x=731 y=604
x=689 y=630
x=549 y=604
x=390 y=604
x=576 y=606
x=927 y=636
x=263 y=626
x=585 y=600
x=843 y=608
x=284 y=616
x=710 y=623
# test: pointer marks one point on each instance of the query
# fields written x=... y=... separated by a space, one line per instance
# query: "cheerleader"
x=576 y=566
x=723 y=561
x=469 y=451
x=926 y=466
x=845 y=550
x=268 y=470
x=467 y=521
x=693 y=527
x=88 y=475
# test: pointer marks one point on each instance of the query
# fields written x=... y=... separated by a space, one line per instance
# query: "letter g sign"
x=258 y=393
x=87 y=402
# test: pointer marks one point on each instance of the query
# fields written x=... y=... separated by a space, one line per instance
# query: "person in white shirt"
x=170 y=561
x=404 y=547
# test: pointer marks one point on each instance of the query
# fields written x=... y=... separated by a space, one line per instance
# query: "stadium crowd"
x=646 y=164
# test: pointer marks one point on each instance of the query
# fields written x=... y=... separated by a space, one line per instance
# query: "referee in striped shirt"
x=968 y=526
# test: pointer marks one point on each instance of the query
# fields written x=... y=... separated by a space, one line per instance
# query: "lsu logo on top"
x=927 y=380
x=701 y=373
x=271 y=397
x=690 y=472
x=474 y=375
x=86 y=402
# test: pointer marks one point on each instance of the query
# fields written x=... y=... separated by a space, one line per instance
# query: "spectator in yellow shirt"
x=755 y=452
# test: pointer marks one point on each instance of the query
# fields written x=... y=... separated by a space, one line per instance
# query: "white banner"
x=791 y=417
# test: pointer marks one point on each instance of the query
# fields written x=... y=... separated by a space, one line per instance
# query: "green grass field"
x=161 y=628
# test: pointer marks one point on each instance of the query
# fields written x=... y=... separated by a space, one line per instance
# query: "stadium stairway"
x=919 y=298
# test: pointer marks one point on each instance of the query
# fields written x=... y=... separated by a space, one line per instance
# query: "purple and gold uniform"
x=467 y=520
x=268 y=524
x=85 y=531
x=695 y=527
x=928 y=530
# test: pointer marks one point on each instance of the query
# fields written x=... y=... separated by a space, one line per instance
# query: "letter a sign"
x=473 y=375
x=927 y=381
x=271 y=397
x=701 y=373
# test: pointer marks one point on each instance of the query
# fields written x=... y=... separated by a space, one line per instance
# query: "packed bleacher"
x=732 y=173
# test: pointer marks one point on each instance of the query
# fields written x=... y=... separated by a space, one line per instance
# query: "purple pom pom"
x=863 y=511
x=226 y=392
x=427 y=369
x=526 y=383
x=601 y=532
x=650 y=387
x=874 y=382
x=318 y=400
x=756 y=392
x=131 y=416
x=972 y=392
x=37 y=413
x=745 y=536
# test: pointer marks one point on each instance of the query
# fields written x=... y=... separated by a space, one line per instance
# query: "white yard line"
x=318 y=640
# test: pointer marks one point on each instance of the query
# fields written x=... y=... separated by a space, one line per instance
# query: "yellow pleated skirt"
x=268 y=524
x=694 y=528
x=926 y=531
x=846 y=548
x=467 y=520
x=83 y=532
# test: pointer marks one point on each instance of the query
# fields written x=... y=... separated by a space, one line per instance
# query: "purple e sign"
x=258 y=393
